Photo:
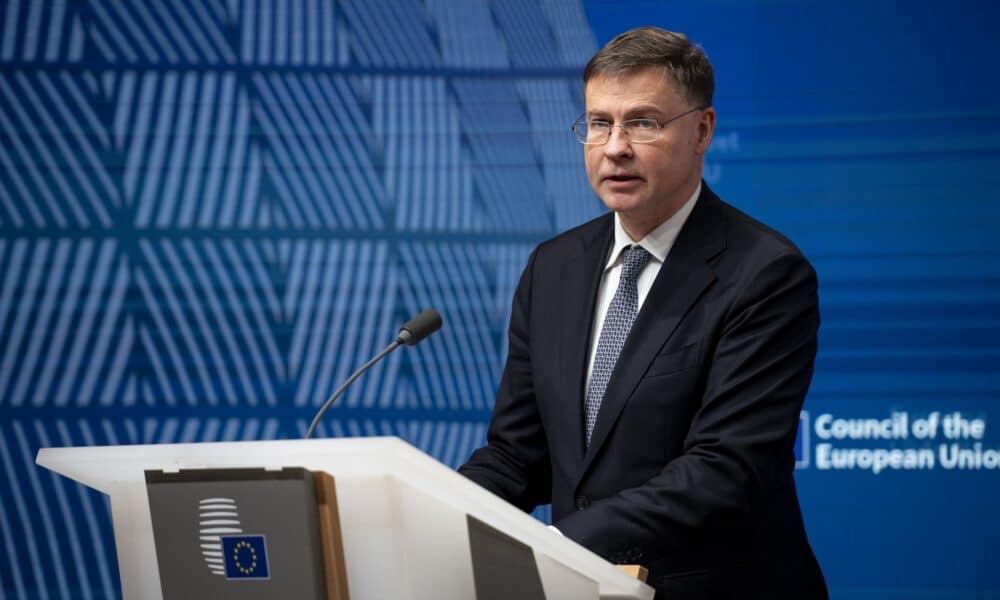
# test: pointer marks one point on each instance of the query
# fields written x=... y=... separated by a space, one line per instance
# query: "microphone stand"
x=414 y=330
x=333 y=398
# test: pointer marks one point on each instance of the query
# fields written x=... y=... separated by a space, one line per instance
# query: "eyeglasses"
x=638 y=131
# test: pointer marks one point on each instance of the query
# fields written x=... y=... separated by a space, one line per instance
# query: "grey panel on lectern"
x=502 y=567
x=236 y=533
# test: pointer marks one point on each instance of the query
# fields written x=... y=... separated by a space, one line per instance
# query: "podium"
x=411 y=528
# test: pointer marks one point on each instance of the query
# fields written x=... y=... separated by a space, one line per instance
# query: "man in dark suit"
x=660 y=355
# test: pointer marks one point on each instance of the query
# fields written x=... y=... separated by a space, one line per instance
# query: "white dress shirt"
x=658 y=243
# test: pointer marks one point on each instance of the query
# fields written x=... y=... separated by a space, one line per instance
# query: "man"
x=659 y=355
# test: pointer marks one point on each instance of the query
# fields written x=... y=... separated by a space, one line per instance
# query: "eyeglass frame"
x=581 y=120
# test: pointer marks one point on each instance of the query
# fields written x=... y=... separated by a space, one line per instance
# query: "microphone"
x=419 y=327
x=414 y=330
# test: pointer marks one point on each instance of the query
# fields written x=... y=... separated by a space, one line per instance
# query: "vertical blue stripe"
x=32 y=31
x=265 y=32
x=76 y=40
x=57 y=14
x=10 y=29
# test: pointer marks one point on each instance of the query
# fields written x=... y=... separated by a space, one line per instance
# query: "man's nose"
x=618 y=144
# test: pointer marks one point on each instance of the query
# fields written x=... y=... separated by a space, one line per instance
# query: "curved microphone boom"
x=414 y=330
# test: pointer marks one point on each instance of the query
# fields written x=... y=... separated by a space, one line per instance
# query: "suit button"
x=581 y=502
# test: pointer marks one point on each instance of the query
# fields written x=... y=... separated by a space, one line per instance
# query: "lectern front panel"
x=228 y=533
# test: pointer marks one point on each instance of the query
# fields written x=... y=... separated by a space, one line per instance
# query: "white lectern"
x=404 y=516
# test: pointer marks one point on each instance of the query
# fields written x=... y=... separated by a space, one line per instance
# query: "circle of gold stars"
x=253 y=557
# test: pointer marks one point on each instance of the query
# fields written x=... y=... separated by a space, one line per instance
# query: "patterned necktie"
x=617 y=323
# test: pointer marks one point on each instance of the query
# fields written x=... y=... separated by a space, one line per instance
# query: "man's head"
x=648 y=73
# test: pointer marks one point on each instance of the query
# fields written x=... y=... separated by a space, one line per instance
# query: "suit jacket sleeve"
x=515 y=462
x=741 y=436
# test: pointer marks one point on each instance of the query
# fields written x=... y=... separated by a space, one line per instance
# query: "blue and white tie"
x=617 y=323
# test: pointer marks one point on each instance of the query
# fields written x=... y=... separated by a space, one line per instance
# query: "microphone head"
x=419 y=327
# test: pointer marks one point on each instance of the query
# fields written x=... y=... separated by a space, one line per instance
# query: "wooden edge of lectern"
x=330 y=537
x=638 y=571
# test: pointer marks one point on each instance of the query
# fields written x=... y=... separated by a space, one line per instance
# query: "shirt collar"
x=657 y=242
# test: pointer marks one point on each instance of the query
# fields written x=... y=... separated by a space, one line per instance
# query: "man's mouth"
x=622 y=178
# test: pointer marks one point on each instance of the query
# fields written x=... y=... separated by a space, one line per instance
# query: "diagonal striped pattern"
x=34 y=31
x=552 y=106
x=506 y=176
x=71 y=346
x=390 y=33
x=320 y=175
x=54 y=152
x=527 y=32
x=570 y=31
x=207 y=328
x=468 y=34
x=171 y=33
x=426 y=173
x=459 y=367
x=339 y=301
x=55 y=533
x=188 y=160
x=215 y=208
x=291 y=32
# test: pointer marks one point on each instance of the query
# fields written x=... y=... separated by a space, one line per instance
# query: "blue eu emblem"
x=245 y=557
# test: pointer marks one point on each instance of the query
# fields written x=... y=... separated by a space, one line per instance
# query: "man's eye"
x=598 y=124
x=642 y=124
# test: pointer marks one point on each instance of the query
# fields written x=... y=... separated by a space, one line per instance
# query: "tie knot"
x=635 y=259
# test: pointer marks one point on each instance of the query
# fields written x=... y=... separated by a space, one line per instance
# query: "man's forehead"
x=651 y=87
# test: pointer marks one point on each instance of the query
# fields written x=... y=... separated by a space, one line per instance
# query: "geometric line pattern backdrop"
x=212 y=212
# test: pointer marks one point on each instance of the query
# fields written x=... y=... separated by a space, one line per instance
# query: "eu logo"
x=245 y=557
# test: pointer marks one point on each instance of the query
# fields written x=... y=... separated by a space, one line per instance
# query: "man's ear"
x=706 y=129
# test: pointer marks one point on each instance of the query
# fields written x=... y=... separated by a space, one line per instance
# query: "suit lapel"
x=683 y=278
x=581 y=276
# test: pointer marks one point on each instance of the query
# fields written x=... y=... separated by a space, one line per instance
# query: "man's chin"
x=622 y=203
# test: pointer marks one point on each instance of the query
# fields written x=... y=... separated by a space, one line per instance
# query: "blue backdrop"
x=211 y=212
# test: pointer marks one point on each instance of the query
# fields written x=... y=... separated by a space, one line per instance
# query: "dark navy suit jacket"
x=689 y=469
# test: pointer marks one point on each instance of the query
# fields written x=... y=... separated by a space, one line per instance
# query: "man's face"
x=645 y=183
